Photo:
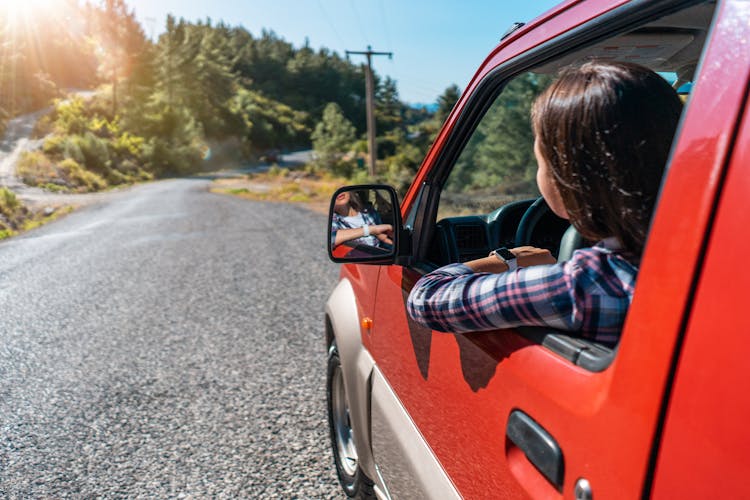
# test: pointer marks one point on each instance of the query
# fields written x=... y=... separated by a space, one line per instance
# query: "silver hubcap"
x=342 y=425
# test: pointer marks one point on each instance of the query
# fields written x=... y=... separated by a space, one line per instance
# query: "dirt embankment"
x=23 y=207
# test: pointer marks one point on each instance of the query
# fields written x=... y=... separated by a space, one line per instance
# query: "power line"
x=330 y=23
x=385 y=25
x=359 y=21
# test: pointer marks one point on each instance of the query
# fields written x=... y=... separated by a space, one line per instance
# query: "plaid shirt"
x=370 y=218
x=589 y=294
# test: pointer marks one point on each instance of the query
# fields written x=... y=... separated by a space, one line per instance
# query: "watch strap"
x=507 y=257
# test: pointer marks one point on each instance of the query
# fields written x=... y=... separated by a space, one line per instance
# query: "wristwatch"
x=508 y=257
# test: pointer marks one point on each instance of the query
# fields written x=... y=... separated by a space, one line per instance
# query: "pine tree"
x=120 y=40
x=389 y=110
x=446 y=101
x=332 y=138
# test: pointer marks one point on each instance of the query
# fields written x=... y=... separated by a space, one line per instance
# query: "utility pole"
x=370 y=91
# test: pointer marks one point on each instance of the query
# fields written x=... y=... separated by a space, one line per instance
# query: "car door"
x=469 y=397
x=703 y=447
x=702 y=452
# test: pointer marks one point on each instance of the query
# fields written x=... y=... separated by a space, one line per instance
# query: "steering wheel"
x=563 y=248
x=529 y=221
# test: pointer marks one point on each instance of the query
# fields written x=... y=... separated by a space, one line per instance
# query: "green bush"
x=167 y=159
x=127 y=144
x=342 y=167
x=95 y=153
x=71 y=149
x=55 y=188
x=77 y=176
x=54 y=144
x=35 y=169
x=70 y=116
x=277 y=171
x=12 y=212
x=115 y=177
x=9 y=203
x=143 y=175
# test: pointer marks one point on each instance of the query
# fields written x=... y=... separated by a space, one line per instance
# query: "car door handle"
x=538 y=445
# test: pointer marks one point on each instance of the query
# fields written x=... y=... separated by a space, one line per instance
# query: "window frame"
x=591 y=356
x=619 y=20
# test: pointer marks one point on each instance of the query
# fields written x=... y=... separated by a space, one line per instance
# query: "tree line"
x=201 y=91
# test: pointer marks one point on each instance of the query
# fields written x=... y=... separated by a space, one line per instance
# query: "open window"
x=486 y=194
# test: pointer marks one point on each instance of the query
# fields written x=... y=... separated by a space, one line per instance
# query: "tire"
x=353 y=480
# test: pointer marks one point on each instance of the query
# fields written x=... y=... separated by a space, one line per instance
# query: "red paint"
x=707 y=437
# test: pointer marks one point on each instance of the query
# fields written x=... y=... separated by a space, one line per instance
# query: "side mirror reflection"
x=363 y=224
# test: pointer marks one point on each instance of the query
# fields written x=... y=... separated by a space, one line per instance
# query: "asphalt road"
x=166 y=342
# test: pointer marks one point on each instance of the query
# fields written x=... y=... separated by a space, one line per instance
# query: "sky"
x=434 y=43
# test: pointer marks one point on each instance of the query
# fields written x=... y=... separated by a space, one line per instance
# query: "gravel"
x=166 y=343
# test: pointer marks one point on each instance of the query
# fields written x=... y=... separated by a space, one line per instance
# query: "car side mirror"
x=364 y=223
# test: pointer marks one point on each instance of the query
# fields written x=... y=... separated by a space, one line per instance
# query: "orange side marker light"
x=367 y=324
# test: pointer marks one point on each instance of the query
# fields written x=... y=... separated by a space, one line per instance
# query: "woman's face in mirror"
x=342 y=202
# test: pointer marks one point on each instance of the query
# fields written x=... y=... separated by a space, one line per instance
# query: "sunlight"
x=19 y=11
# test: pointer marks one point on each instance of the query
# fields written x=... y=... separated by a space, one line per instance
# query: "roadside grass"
x=16 y=218
x=309 y=188
x=45 y=218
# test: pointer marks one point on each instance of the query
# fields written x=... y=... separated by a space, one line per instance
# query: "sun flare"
x=17 y=11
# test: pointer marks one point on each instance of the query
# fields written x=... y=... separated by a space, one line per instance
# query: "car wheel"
x=356 y=484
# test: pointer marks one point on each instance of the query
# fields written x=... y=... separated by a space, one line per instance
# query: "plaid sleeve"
x=336 y=224
x=584 y=294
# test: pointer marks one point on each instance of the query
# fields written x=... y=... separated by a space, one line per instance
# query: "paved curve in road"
x=166 y=343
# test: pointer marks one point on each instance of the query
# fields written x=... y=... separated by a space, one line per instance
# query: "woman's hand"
x=384 y=229
x=527 y=256
x=382 y=232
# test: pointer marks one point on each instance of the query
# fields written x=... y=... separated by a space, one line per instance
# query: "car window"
x=490 y=188
x=497 y=165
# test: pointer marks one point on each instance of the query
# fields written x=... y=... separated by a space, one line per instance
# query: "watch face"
x=505 y=253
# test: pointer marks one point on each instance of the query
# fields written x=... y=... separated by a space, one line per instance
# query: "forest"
x=202 y=95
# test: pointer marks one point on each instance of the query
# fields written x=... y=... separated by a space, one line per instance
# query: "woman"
x=602 y=136
x=357 y=225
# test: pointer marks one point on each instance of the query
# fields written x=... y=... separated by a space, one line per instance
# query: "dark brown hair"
x=605 y=130
x=355 y=201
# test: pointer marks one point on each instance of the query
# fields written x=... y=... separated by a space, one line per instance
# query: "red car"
x=535 y=412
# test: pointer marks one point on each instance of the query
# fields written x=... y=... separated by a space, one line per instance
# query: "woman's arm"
x=378 y=230
x=589 y=294
x=344 y=235
x=456 y=299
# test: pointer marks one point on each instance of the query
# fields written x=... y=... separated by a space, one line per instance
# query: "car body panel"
x=405 y=461
x=343 y=314
x=703 y=453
